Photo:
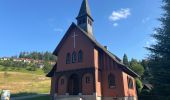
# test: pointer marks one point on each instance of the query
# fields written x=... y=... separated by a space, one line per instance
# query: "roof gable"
x=97 y=45
x=63 y=39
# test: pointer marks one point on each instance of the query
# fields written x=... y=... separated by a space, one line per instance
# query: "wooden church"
x=86 y=70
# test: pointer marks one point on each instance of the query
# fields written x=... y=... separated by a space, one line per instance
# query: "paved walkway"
x=28 y=97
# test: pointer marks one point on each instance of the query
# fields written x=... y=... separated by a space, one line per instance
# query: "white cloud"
x=123 y=13
x=115 y=24
x=155 y=32
x=59 y=30
x=150 y=42
x=145 y=20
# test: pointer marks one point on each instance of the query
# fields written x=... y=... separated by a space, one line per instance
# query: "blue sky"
x=38 y=25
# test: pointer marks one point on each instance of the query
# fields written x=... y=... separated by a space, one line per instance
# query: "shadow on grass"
x=47 y=97
x=30 y=96
x=23 y=94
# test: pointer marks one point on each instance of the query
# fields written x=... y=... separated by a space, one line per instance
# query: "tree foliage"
x=47 y=67
x=147 y=74
x=136 y=67
x=139 y=85
x=159 y=58
x=125 y=60
x=48 y=56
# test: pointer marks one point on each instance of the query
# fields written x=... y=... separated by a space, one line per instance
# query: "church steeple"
x=84 y=19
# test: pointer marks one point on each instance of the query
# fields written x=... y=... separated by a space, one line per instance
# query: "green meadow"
x=24 y=83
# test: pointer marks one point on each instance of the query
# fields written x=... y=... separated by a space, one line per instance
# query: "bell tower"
x=84 y=19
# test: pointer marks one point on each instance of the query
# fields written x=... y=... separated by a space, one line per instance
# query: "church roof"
x=51 y=73
x=85 y=9
x=147 y=86
x=99 y=46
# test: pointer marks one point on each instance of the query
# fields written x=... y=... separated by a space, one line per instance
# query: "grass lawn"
x=20 y=83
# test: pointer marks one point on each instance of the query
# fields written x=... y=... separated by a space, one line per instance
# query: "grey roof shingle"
x=85 y=9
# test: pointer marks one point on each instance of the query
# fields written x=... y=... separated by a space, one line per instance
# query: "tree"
x=33 y=67
x=125 y=60
x=21 y=55
x=147 y=74
x=48 y=56
x=159 y=58
x=47 y=67
x=136 y=67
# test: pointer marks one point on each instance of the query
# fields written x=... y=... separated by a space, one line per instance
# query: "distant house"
x=17 y=59
x=52 y=63
x=5 y=58
x=41 y=65
x=25 y=60
x=147 y=87
x=38 y=61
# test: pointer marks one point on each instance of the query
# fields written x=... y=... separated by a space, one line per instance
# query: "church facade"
x=86 y=70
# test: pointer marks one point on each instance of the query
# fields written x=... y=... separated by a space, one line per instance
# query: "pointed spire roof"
x=85 y=9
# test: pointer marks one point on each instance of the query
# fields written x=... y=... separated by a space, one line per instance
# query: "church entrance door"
x=73 y=85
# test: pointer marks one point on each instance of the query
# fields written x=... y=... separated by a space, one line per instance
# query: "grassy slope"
x=19 y=82
x=13 y=69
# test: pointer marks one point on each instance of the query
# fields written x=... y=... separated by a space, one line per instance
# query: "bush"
x=139 y=85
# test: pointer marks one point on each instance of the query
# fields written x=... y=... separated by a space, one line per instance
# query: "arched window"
x=111 y=81
x=130 y=83
x=68 y=58
x=88 y=80
x=74 y=57
x=80 y=56
x=62 y=81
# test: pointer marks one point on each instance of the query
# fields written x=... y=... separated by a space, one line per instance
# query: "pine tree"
x=125 y=60
x=147 y=75
x=160 y=56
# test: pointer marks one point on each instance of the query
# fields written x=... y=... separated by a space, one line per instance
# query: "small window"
x=130 y=83
x=89 y=22
x=68 y=58
x=62 y=81
x=87 y=80
x=111 y=81
x=80 y=56
x=74 y=57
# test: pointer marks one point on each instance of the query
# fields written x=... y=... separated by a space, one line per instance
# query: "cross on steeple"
x=74 y=36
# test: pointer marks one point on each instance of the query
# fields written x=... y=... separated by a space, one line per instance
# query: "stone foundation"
x=119 y=98
x=77 y=97
x=90 y=97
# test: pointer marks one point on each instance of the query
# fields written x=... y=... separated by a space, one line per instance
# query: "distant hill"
x=28 y=61
x=47 y=56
